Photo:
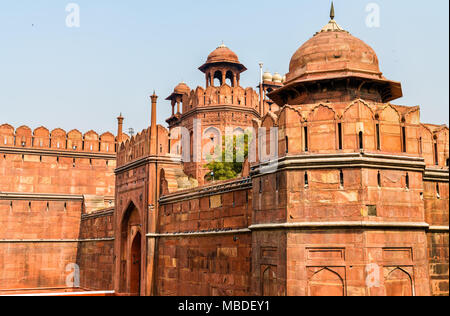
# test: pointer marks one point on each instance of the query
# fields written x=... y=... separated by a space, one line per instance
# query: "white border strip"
x=211 y=233
x=2 y=241
x=64 y=294
x=439 y=228
x=340 y=225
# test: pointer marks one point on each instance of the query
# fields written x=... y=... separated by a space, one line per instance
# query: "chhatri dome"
x=222 y=55
x=333 y=53
x=182 y=88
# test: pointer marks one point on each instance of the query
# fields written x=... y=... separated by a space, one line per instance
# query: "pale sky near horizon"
x=82 y=78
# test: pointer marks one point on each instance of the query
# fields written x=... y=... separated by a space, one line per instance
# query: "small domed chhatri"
x=267 y=76
x=277 y=78
x=222 y=55
x=182 y=88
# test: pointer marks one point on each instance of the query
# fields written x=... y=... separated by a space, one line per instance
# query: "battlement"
x=358 y=125
x=224 y=95
x=57 y=139
x=138 y=146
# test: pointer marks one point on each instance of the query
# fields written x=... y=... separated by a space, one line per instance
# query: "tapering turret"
x=120 y=129
x=153 y=127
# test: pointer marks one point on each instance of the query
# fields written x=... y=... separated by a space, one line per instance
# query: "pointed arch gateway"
x=131 y=243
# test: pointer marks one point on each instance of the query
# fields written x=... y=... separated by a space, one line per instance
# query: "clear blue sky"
x=84 y=77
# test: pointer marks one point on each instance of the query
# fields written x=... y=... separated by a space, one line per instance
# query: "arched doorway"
x=135 y=275
x=131 y=252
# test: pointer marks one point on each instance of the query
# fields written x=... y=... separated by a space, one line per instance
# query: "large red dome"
x=331 y=55
x=333 y=52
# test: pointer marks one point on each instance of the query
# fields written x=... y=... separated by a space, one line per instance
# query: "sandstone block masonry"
x=355 y=204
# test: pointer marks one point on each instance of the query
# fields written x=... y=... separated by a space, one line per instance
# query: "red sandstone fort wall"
x=47 y=181
x=436 y=211
x=319 y=183
x=32 y=251
x=214 y=255
x=336 y=261
x=95 y=255
x=204 y=266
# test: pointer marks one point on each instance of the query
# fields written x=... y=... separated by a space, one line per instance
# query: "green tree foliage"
x=224 y=170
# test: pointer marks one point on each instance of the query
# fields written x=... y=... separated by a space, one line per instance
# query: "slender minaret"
x=120 y=129
x=153 y=126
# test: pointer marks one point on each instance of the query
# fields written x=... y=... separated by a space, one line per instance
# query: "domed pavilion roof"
x=220 y=55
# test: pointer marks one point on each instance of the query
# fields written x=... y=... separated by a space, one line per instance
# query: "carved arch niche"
x=358 y=119
x=322 y=129
x=326 y=281
x=398 y=281
x=269 y=280
x=391 y=133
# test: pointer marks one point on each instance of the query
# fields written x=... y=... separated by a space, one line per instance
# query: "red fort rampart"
x=357 y=204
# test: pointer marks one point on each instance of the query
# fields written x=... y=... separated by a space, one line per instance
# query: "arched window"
x=305 y=139
x=306 y=180
x=341 y=179
x=436 y=153
x=438 y=191
x=287 y=144
x=229 y=78
x=218 y=79
x=407 y=181
x=378 y=137
x=361 y=140
x=277 y=182
x=191 y=138
x=404 y=139
x=170 y=143
x=379 y=179
x=340 y=142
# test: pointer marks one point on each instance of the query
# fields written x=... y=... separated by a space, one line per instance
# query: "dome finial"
x=332 y=15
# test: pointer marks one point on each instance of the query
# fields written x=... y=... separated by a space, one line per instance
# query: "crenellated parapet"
x=138 y=146
x=201 y=99
x=57 y=139
x=326 y=128
x=223 y=95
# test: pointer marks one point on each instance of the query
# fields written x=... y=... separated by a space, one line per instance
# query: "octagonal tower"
x=348 y=209
x=215 y=107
